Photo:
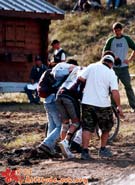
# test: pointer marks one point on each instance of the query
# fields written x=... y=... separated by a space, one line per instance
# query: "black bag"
x=45 y=84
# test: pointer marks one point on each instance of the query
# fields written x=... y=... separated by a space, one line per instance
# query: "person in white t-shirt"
x=100 y=80
x=59 y=54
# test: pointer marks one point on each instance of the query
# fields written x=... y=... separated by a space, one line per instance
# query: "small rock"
x=12 y=162
x=26 y=162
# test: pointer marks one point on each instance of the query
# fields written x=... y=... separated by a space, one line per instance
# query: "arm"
x=82 y=79
x=132 y=56
x=63 y=57
x=131 y=45
x=116 y=98
x=108 y=45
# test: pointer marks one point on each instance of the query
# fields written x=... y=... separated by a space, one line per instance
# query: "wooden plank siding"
x=20 y=41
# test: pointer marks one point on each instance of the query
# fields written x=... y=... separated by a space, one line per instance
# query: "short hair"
x=55 y=42
x=72 y=61
x=108 y=52
x=117 y=25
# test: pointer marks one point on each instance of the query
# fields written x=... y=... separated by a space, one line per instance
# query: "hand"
x=71 y=68
x=121 y=114
x=126 y=61
x=32 y=81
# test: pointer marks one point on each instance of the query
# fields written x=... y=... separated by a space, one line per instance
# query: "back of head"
x=108 y=59
x=72 y=61
x=55 y=42
x=108 y=52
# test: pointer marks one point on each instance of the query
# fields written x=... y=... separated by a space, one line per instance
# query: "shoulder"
x=130 y=41
x=61 y=50
x=110 y=39
x=128 y=38
x=44 y=66
x=33 y=68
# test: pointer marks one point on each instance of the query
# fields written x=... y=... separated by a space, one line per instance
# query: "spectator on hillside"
x=35 y=74
x=115 y=3
x=59 y=54
x=85 y=5
x=119 y=44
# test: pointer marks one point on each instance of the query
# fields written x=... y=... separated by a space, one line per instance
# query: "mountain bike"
x=114 y=131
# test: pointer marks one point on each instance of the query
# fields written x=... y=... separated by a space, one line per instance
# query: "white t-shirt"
x=99 y=78
x=72 y=78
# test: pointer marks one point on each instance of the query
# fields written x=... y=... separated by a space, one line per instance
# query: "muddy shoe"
x=65 y=149
x=85 y=155
x=46 y=149
x=105 y=153
x=132 y=110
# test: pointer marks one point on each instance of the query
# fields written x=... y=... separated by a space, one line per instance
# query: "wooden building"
x=24 y=26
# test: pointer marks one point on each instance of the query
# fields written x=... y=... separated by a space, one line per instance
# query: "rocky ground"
x=18 y=121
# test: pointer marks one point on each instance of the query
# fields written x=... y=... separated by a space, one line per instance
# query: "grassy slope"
x=83 y=35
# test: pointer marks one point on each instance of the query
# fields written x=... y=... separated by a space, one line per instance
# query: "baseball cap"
x=55 y=42
x=108 y=58
x=37 y=58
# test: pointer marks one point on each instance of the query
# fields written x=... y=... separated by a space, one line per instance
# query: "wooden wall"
x=20 y=41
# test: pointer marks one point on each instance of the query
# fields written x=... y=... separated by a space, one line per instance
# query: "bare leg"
x=104 y=139
x=86 y=136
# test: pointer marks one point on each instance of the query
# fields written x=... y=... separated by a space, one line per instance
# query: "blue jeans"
x=116 y=3
x=54 y=125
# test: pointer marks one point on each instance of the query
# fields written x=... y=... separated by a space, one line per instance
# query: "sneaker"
x=46 y=149
x=85 y=155
x=105 y=153
x=132 y=110
x=64 y=146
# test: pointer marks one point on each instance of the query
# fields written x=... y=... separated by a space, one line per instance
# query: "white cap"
x=108 y=57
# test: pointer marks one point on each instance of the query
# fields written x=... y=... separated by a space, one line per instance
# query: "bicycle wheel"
x=115 y=129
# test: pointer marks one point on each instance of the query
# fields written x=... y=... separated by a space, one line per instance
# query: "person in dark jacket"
x=35 y=74
x=59 y=54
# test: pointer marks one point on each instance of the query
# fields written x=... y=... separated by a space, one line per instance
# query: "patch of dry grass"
x=83 y=35
x=24 y=140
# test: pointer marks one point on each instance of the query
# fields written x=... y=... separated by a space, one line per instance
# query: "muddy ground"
x=23 y=120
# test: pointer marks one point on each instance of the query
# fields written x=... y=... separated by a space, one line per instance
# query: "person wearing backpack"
x=47 y=88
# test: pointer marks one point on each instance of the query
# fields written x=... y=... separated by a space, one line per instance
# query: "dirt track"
x=16 y=121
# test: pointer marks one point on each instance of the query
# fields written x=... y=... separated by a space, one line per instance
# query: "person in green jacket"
x=119 y=44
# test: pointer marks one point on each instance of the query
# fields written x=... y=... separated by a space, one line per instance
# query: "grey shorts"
x=93 y=116
x=66 y=108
